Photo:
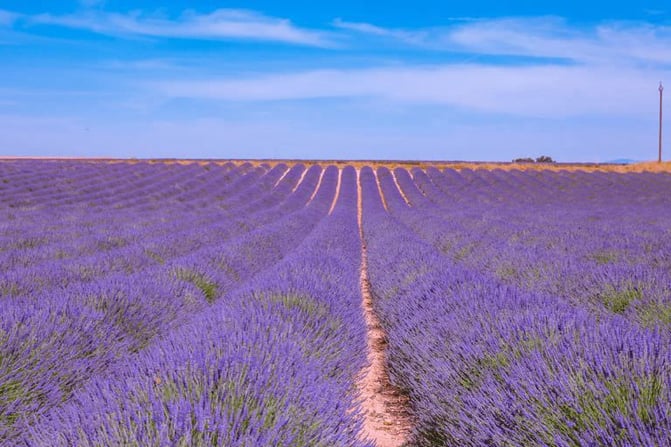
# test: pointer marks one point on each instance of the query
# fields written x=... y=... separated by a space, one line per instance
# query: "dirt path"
x=337 y=193
x=300 y=180
x=379 y=189
x=281 y=178
x=386 y=420
x=400 y=190
x=319 y=183
x=414 y=180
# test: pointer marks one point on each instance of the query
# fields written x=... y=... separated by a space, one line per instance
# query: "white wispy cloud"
x=411 y=37
x=8 y=17
x=91 y=3
x=220 y=24
x=551 y=90
x=611 y=43
x=145 y=65
x=537 y=37
x=541 y=37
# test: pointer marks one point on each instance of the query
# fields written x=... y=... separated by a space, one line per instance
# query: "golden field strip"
x=649 y=166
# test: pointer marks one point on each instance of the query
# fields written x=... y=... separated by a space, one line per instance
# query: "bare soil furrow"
x=385 y=409
x=337 y=193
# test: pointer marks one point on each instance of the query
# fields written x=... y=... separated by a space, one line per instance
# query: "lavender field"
x=203 y=304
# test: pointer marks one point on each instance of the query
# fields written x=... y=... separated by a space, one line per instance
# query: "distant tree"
x=544 y=159
x=523 y=160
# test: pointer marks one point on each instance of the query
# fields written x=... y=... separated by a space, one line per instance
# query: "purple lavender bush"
x=489 y=363
x=241 y=326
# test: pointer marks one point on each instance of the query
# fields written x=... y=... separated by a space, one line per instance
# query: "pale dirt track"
x=319 y=184
x=379 y=189
x=337 y=193
x=279 y=180
x=300 y=180
x=386 y=420
x=400 y=190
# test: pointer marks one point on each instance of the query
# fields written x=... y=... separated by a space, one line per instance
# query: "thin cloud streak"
x=608 y=43
x=541 y=37
x=409 y=37
x=614 y=43
x=7 y=18
x=218 y=25
x=91 y=3
x=548 y=91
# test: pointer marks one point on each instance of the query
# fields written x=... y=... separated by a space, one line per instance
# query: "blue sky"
x=478 y=80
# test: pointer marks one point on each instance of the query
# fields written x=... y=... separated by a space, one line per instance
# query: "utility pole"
x=661 y=90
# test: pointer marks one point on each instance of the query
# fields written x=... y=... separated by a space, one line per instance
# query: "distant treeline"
x=541 y=159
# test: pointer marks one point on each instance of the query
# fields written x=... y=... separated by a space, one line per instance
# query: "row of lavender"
x=599 y=240
x=71 y=297
x=490 y=360
x=175 y=305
